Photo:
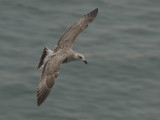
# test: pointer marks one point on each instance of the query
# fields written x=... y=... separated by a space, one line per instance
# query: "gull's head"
x=80 y=57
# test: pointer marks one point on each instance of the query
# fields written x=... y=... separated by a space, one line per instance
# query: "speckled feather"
x=48 y=77
x=62 y=53
x=67 y=40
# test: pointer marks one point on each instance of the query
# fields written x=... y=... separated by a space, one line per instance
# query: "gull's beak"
x=85 y=61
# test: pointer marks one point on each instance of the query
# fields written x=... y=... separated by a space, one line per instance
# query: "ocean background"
x=122 y=46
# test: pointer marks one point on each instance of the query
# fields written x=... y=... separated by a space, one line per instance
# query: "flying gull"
x=50 y=60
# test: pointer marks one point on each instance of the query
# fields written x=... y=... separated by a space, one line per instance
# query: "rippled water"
x=121 y=81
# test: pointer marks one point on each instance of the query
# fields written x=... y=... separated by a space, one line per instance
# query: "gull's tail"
x=46 y=54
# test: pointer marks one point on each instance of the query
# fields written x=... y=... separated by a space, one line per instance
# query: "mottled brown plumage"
x=67 y=40
x=63 y=53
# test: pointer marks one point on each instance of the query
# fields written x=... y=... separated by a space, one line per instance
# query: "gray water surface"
x=122 y=47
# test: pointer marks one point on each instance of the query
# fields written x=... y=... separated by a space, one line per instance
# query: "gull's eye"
x=80 y=57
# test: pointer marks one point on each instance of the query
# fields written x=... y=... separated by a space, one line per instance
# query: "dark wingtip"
x=96 y=9
x=94 y=13
x=38 y=102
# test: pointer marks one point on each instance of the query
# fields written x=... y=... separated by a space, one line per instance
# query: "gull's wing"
x=68 y=38
x=48 y=77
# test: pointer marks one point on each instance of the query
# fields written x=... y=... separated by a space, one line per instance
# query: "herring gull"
x=50 y=60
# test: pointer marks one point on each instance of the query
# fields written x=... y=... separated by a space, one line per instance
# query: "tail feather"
x=46 y=54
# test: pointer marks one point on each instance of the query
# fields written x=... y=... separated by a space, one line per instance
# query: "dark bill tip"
x=85 y=61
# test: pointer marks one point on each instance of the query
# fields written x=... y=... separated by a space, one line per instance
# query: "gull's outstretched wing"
x=48 y=77
x=68 y=38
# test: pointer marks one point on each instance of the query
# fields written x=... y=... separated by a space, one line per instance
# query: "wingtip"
x=96 y=10
x=38 y=104
x=94 y=13
x=38 y=101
